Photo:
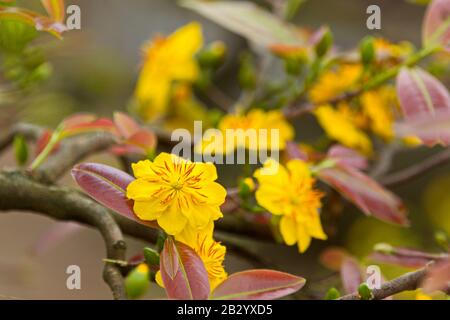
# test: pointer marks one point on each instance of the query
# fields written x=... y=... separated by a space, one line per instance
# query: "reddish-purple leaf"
x=108 y=186
x=351 y=275
x=347 y=157
x=431 y=131
x=183 y=273
x=294 y=152
x=333 y=257
x=77 y=119
x=366 y=194
x=421 y=95
x=99 y=125
x=405 y=257
x=258 y=285
x=144 y=139
x=436 y=25
x=438 y=277
x=125 y=125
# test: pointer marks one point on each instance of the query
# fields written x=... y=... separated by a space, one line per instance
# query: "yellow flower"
x=211 y=252
x=378 y=107
x=289 y=193
x=333 y=83
x=342 y=129
x=167 y=60
x=386 y=50
x=177 y=193
x=256 y=127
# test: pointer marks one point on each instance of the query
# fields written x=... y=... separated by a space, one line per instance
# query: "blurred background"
x=95 y=70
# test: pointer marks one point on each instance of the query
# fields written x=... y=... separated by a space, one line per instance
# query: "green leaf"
x=247 y=20
x=20 y=149
x=151 y=256
x=333 y=294
x=364 y=292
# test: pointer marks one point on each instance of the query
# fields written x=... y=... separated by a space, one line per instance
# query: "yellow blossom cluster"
x=290 y=194
x=184 y=198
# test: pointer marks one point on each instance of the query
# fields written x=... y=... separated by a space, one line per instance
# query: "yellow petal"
x=288 y=230
x=315 y=229
x=148 y=210
x=172 y=221
x=215 y=193
x=200 y=216
x=158 y=279
x=142 y=168
x=304 y=239
x=141 y=189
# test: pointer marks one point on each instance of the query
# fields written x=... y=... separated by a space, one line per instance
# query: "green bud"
x=325 y=43
x=151 y=256
x=247 y=72
x=15 y=35
x=367 y=51
x=213 y=55
x=294 y=66
x=442 y=239
x=364 y=292
x=137 y=282
x=20 y=149
x=333 y=294
x=41 y=73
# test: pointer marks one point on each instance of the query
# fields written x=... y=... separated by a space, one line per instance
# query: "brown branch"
x=407 y=282
x=416 y=170
x=28 y=131
x=20 y=192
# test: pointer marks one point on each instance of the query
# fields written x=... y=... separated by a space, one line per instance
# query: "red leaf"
x=438 y=277
x=125 y=125
x=347 y=157
x=99 y=125
x=108 y=186
x=183 y=273
x=143 y=139
x=258 y=285
x=333 y=257
x=366 y=194
x=351 y=274
x=78 y=119
x=43 y=140
x=436 y=25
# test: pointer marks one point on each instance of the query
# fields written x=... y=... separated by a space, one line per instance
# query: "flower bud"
x=367 y=51
x=213 y=55
x=137 y=282
x=324 y=42
x=333 y=294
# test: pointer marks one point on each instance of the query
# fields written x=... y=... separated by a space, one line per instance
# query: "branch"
x=19 y=192
x=416 y=170
x=406 y=282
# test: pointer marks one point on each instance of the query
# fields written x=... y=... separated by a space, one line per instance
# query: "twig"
x=406 y=282
x=416 y=170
